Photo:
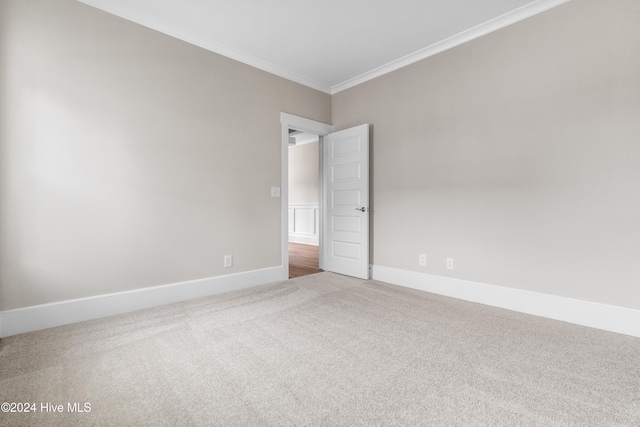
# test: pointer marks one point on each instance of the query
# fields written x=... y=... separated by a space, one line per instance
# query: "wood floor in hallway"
x=303 y=260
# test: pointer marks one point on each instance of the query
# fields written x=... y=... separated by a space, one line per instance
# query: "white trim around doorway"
x=289 y=121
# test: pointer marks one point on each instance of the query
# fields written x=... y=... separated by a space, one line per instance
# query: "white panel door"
x=346 y=184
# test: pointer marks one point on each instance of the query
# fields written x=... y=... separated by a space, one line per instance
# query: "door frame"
x=310 y=126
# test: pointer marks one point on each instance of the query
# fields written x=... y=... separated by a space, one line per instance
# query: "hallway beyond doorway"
x=303 y=260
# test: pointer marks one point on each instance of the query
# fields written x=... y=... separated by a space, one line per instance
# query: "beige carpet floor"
x=324 y=350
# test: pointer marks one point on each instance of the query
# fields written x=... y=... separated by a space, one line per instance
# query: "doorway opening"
x=291 y=126
x=344 y=196
x=304 y=203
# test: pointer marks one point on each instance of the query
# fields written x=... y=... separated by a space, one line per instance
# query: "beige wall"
x=131 y=159
x=304 y=176
x=517 y=154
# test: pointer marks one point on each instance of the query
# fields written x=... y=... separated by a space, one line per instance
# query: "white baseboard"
x=305 y=240
x=607 y=317
x=34 y=318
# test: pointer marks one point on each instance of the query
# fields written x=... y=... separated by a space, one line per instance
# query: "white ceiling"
x=329 y=45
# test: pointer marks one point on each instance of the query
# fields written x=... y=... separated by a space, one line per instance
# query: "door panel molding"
x=346 y=202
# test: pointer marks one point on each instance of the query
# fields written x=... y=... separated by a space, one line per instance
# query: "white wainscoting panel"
x=600 y=316
x=304 y=223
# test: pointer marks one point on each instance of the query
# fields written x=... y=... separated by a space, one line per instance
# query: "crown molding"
x=149 y=21
x=485 y=28
x=144 y=19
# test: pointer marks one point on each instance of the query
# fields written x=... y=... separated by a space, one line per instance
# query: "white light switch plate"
x=275 y=191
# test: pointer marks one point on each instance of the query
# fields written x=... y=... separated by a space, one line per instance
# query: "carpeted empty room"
x=323 y=349
x=467 y=174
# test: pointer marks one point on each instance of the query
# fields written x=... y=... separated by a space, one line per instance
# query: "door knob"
x=362 y=209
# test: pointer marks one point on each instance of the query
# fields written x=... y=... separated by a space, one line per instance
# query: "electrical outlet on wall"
x=228 y=261
x=422 y=259
x=449 y=263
